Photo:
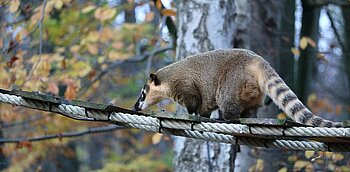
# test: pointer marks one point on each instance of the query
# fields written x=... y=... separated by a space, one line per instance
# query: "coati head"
x=152 y=92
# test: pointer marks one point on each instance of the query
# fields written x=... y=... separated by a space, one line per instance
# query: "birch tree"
x=203 y=26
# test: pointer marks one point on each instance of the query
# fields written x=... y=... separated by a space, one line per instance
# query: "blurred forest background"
x=103 y=50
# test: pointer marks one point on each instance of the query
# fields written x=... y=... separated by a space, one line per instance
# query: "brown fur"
x=235 y=81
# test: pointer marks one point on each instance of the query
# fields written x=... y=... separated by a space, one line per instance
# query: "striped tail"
x=285 y=98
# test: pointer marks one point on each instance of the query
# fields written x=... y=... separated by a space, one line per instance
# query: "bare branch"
x=135 y=58
x=337 y=35
x=150 y=57
x=40 y=43
x=63 y=135
x=21 y=123
x=326 y=2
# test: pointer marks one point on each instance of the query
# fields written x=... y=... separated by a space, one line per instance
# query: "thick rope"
x=221 y=132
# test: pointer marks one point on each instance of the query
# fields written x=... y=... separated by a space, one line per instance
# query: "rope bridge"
x=268 y=133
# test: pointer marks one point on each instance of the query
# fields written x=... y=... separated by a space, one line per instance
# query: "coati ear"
x=153 y=78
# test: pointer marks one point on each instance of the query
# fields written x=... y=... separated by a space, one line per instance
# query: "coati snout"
x=149 y=94
x=234 y=81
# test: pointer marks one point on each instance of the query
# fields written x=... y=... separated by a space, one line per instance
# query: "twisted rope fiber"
x=79 y=112
x=233 y=128
x=282 y=144
x=183 y=127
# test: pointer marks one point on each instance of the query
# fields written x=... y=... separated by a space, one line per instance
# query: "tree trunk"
x=203 y=26
x=261 y=28
x=287 y=62
x=306 y=62
x=129 y=15
x=346 y=18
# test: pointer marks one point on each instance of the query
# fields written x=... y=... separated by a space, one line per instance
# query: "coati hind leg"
x=249 y=113
x=229 y=110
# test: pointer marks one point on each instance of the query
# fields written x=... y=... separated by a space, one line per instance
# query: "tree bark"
x=267 y=28
x=203 y=26
x=346 y=18
x=129 y=15
x=306 y=62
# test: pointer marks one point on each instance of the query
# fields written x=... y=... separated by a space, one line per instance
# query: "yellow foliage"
x=295 y=51
x=75 y=48
x=309 y=154
x=92 y=48
x=106 y=35
x=282 y=115
x=118 y=45
x=259 y=166
x=337 y=157
x=299 y=165
x=104 y=13
x=88 y=9
x=156 y=138
x=283 y=169
x=93 y=36
x=303 y=42
x=292 y=158
x=14 y=4
x=168 y=12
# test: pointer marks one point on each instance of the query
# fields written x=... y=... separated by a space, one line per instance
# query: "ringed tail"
x=286 y=99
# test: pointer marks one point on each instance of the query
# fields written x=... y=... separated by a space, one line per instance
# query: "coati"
x=235 y=81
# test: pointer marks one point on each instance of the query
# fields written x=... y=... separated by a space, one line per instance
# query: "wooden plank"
x=39 y=96
x=177 y=116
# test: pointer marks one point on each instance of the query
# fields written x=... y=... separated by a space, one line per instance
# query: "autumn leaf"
x=338 y=110
x=21 y=35
x=43 y=69
x=149 y=16
x=63 y=64
x=328 y=154
x=93 y=36
x=283 y=169
x=168 y=12
x=92 y=48
x=309 y=154
x=311 y=99
x=88 y=9
x=118 y=45
x=14 y=4
x=298 y=165
x=303 y=42
x=75 y=48
x=295 y=51
x=11 y=61
x=82 y=68
x=292 y=158
x=282 y=116
x=106 y=35
x=58 y=4
x=322 y=57
x=337 y=157
x=156 y=138
x=22 y=144
x=52 y=88
x=103 y=14
x=92 y=74
x=311 y=42
x=70 y=92
x=259 y=165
